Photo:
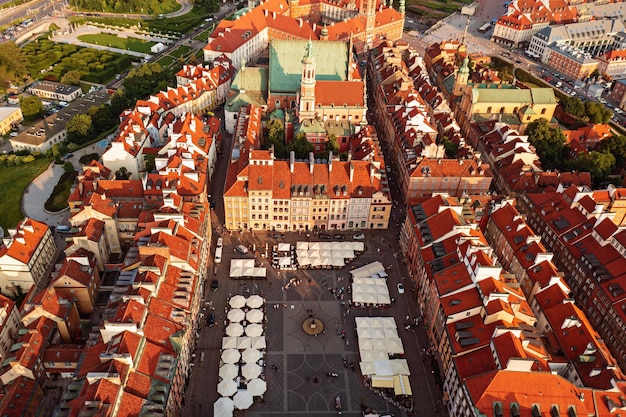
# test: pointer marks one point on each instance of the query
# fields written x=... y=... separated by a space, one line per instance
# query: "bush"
x=58 y=199
x=85 y=159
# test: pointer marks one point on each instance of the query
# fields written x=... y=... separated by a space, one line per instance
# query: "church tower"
x=307 y=84
x=462 y=76
x=368 y=10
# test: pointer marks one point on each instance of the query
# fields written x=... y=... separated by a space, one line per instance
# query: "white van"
x=218 y=255
x=220 y=243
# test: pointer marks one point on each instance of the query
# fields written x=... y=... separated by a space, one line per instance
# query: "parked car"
x=339 y=237
x=212 y=204
x=241 y=249
x=324 y=236
x=220 y=242
x=210 y=320
x=214 y=285
x=68 y=156
x=400 y=288
x=358 y=236
x=278 y=235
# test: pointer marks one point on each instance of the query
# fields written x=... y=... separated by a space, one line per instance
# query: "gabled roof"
x=28 y=236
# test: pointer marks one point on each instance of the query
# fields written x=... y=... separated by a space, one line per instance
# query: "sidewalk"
x=37 y=193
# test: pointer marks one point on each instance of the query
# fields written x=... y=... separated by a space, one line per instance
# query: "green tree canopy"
x=300 y=146
x=79 y=128
x=450 y=147
x=101 y=118
x=573 y=106
x=616 y=146
x=597 y=112
x=12 y=64
x=331 y=145
x=599 y=164
x=144 y=80
x=276 y=137
x=71 y=77
x=31 y=107
x=548 y=143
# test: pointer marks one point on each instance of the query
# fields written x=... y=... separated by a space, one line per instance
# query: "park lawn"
x=166 y=61
x=13 y=182
x=129 y=44
x=166 y=6
x=180 y=51
x=179 y=24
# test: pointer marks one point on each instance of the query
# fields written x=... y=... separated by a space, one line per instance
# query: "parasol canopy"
x=227 y=387
x=243 y=400
x=238 y=301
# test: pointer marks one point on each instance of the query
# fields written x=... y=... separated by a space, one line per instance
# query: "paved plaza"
x=297 y=363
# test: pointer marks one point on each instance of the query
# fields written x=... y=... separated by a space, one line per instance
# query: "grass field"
x=165 y=61
x=129 y=44
x=180 y=51
x=435 y=8
x=13 y=182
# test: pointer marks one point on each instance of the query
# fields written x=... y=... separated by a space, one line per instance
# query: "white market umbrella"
x=250 y=371
x=254 y=316
x=251 y=355
x=230 y=356
x=367 y=368
x=234 y=329
x=229 y=342
x=258 y=342
x=236 y=315
x=224 y=406
x=255 y=301
x=394 y=345
x=257 y=387
x=243 y=342
x=400 y=367
x=254 y=330
x=229 y=371
x=227 y=387
x=238 y=301
x=243 y=400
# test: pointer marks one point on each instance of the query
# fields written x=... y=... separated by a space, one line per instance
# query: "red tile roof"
x=29 y=235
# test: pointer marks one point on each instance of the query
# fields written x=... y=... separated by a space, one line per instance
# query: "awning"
x=401 y=385
x=382 y=382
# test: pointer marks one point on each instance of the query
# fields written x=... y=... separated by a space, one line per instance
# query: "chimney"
x=299 y=22
x=292 y=160
x=351 y=172
x=330 y=162
x=349 y=155
x=372 y=170
x=265 y=12
x=311 y=162
x=314 y=27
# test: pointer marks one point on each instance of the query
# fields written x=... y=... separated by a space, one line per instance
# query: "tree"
x=276 y=137
x=68 y=166
x=71 y=77
x=101 y=118
x=144 y=80
x=79 y=128
x=599 y=164
x=12 y=64
x=122 y=174
x=616 y=146
x=597 y=112
x=31 y=107
x=55 y=151
x=548 y=142
x=573 y=106
x=331 y=145
x=301 y=146
x=450 y=147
